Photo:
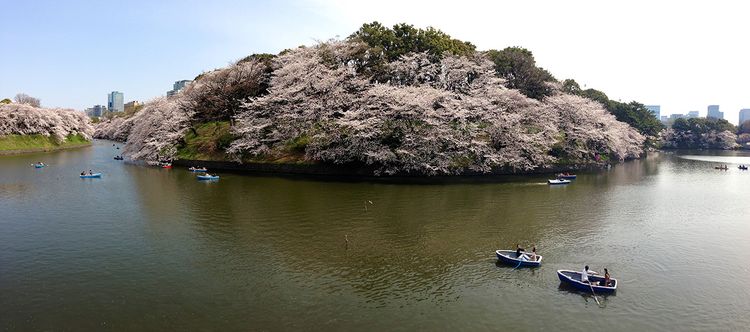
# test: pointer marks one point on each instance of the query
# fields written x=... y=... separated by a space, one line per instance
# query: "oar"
x=592 y=292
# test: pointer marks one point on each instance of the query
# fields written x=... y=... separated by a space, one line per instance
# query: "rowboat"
x=39 y=165
x=166 y=166
x=509 y=257
x=742 y=167
x=558 y=181
x=91 y=176
x=198 y=170
x=567 y=176
x=573 y=278
x=208 y=177
x=721 y=167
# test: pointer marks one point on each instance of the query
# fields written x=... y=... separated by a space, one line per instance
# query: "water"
x=154 y=249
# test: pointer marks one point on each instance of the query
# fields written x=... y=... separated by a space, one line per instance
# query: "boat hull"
x=203 y=177
x=92 y=176
x=567 y=177
x=39 y=166
x=557 y=182
x=573 y=279
x=508 y=257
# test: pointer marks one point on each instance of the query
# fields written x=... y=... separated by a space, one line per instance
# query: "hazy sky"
x=680 y=55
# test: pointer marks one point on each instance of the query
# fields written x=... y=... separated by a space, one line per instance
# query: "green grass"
x=39 y=142
x=208 y=142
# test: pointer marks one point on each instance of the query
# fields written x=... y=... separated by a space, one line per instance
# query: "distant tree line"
x=700 y=133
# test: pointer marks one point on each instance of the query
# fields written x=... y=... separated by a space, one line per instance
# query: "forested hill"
x=399 y=100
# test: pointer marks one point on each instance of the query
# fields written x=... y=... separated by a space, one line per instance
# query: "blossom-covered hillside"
x=57 y=123
x=431 y=106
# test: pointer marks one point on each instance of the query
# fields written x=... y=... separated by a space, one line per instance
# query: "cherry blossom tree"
x=432 y=117
x=24 y=119
x=446 y=114
x=156 y=131
x=116 y=129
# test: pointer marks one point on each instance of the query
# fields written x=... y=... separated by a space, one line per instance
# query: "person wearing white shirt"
x=585 y=274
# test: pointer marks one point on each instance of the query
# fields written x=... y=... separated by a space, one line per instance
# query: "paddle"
x=592 y=292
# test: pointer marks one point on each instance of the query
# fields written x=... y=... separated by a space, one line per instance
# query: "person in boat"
x=519 y=250
x=532 y=257
x=83 y=173
x=585 y=275
x=606 y=280
x=91 y=173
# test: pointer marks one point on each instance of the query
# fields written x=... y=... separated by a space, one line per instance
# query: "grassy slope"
x=38 y=142
x=210 y=140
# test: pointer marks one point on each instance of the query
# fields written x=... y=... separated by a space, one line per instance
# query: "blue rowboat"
x=573 y=278
x=558 y=181
x=91 y=176
x=208 y=177
x=198 y=170
x=39 y=165
x=509 y=257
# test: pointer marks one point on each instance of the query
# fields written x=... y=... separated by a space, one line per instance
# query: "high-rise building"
x=96 y=111
x=744 y=115
x=713 y=112
x=664 y=119
x=692 y=114
x=676 y=116
x=115 y=101
x=177 y=86
x=655 y=109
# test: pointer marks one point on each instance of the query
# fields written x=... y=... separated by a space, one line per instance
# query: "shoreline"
x=359 y=172
x=43 y=149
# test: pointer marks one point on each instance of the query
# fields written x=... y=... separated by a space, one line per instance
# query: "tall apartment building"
x=177 y=86
x=96 y=111
x=115 y=101
x=744 y=115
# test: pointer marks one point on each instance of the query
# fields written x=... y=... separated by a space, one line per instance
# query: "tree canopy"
x=405 y=38
x=518 y=67
x=700 y=133
x=703 y=125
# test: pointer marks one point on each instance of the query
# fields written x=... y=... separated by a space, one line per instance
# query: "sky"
x=683 y=55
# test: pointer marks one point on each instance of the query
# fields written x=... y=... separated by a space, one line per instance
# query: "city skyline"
x=52 y=43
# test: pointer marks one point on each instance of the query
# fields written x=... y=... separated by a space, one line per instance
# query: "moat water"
x=152 y=249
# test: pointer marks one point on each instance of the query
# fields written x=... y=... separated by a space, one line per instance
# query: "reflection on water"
x=150 y=248
x=722 y=157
